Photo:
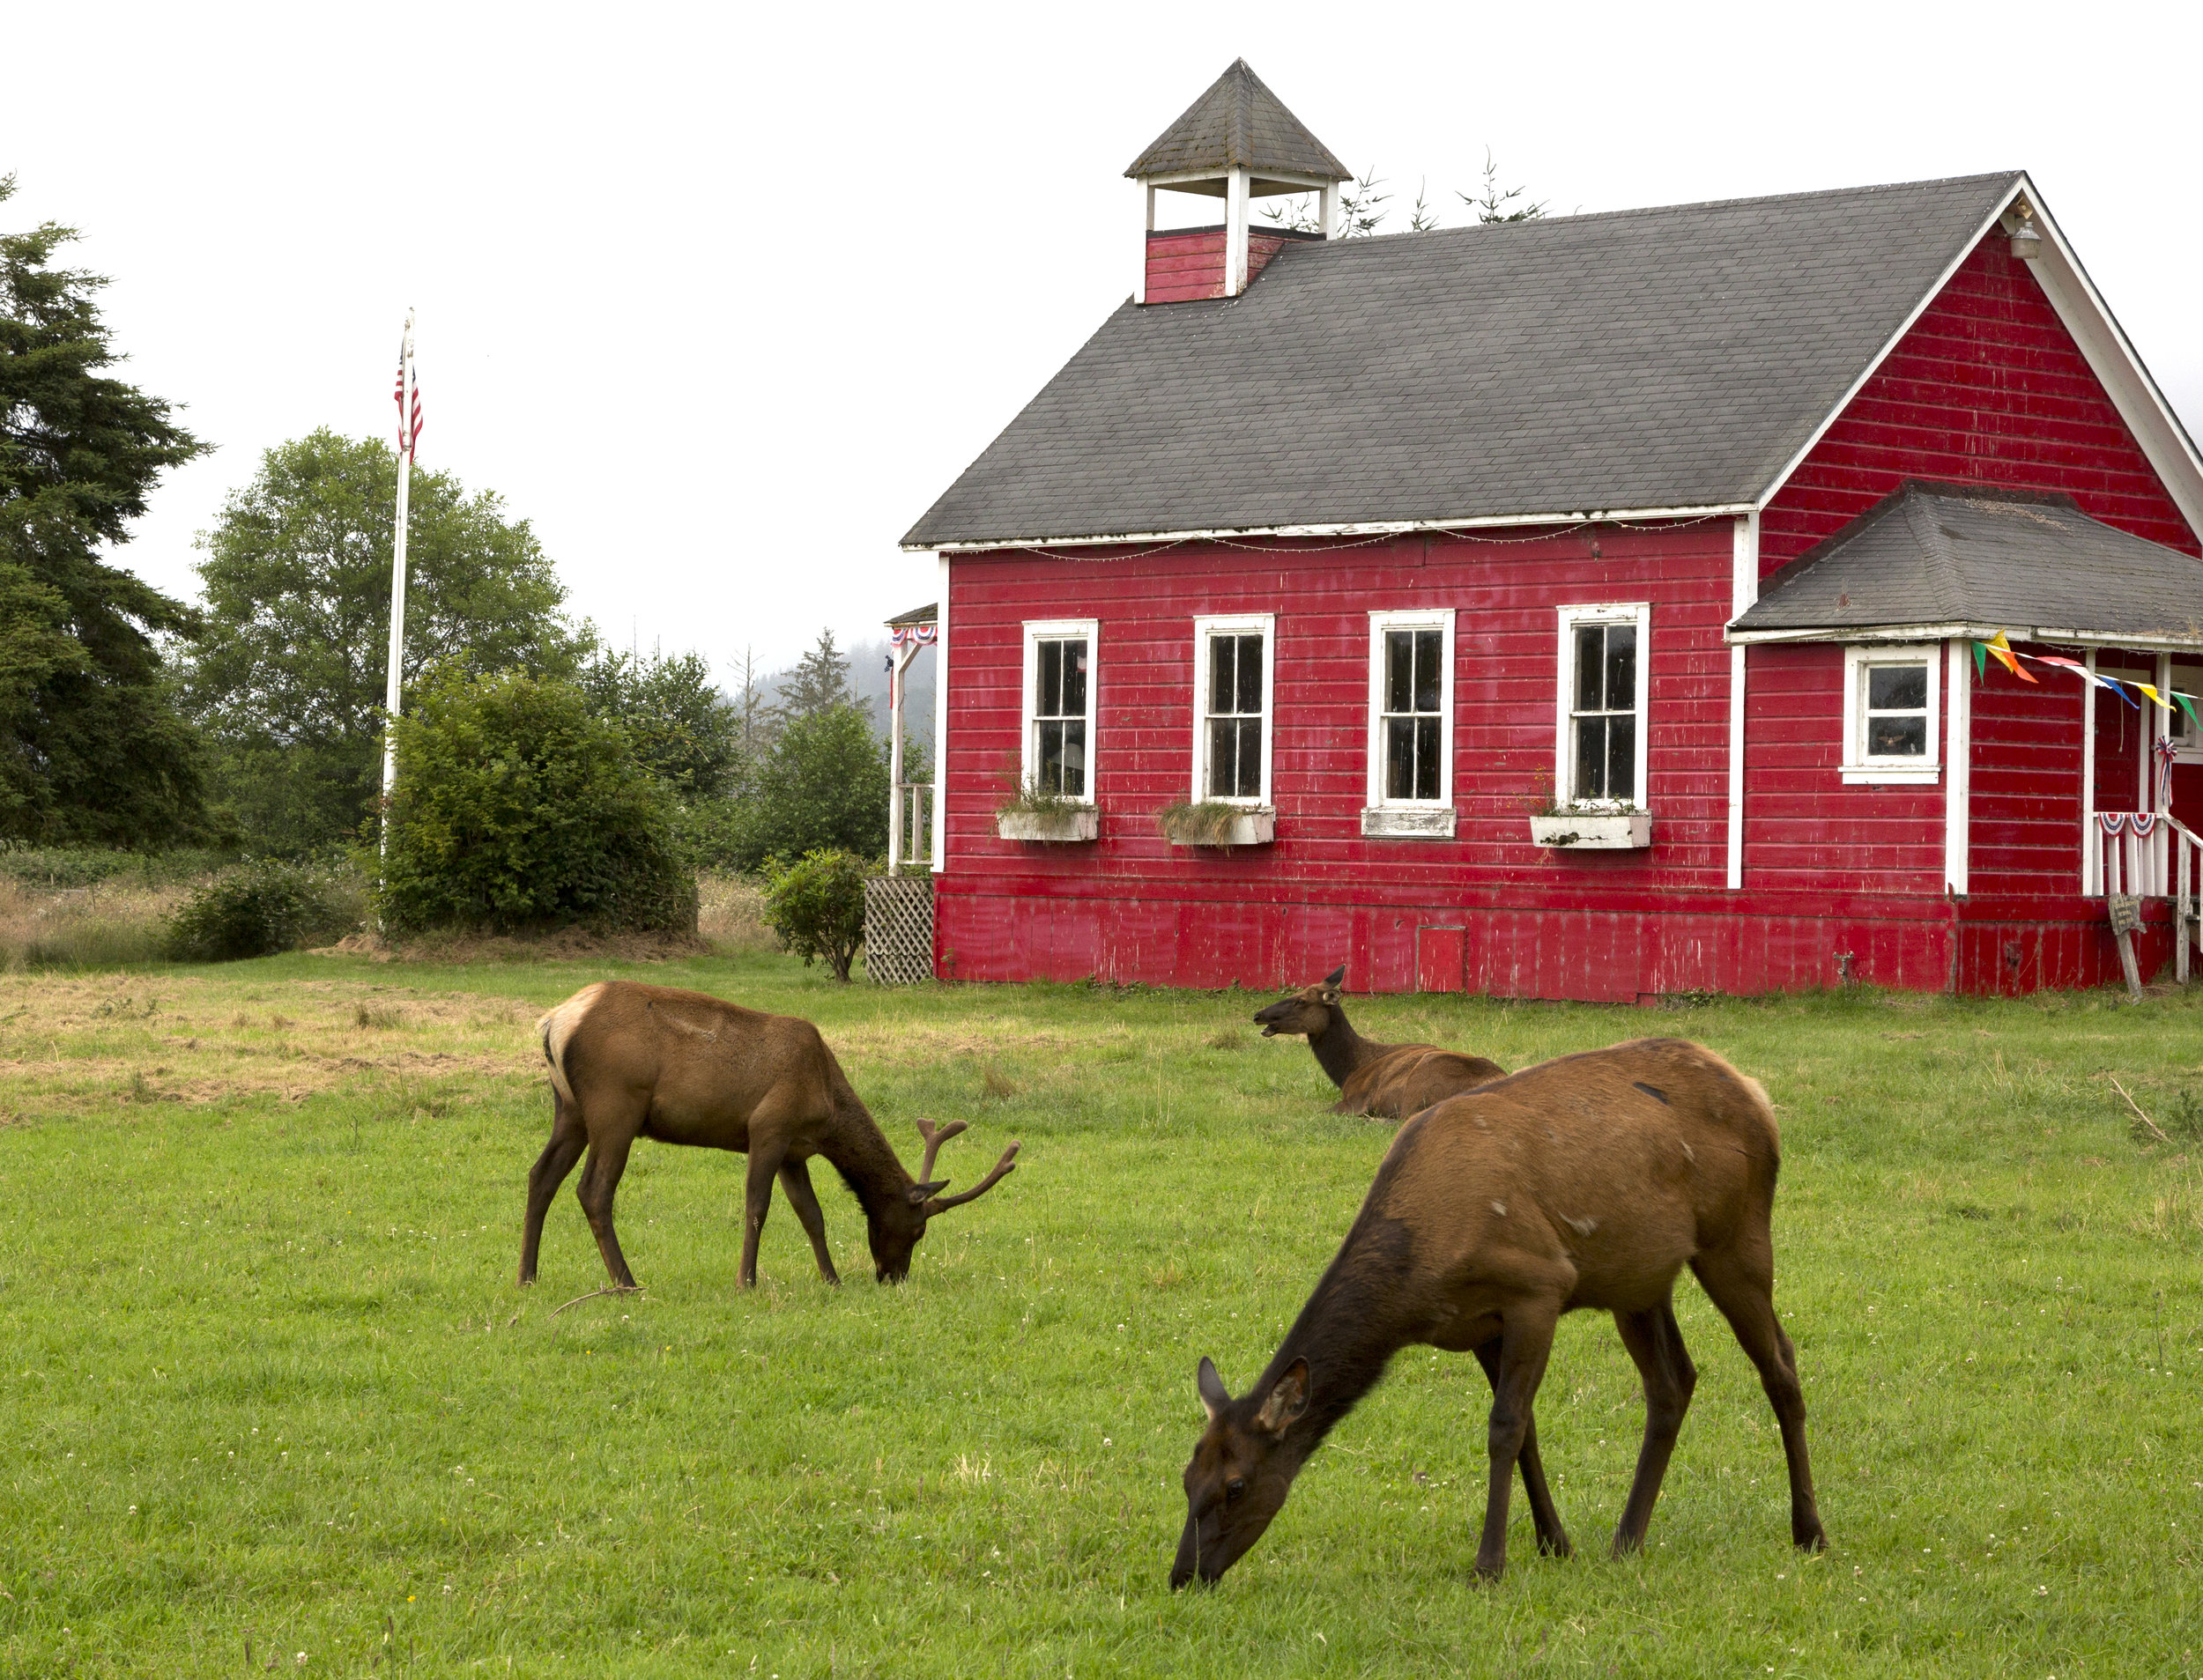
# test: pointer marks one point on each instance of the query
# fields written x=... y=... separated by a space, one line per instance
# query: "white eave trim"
x=2101 y=342
x=1372 y=527
x=1971 y=632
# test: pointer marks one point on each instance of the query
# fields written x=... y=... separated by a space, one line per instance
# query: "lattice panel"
x=899 y=930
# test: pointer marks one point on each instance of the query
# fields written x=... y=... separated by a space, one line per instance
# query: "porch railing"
x=2130 y=854
x=910 y=825
x=2154 y=857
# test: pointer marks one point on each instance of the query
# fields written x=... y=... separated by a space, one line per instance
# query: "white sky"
x=722 y=298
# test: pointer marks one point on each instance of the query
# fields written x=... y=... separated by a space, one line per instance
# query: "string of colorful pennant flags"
x=2174 y=700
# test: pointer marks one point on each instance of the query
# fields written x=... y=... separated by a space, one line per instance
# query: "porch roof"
x=1962 y=560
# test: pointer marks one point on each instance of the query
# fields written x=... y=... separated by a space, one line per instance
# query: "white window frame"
x=1640 y=614
x=1862 y=768
x=1036 y=632
x=1417 y=819
x=2186 y=738
x=1237 y=625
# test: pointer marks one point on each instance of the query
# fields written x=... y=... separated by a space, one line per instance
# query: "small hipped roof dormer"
x=1237 y=142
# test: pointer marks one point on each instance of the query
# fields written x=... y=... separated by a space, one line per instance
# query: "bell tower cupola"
x=1238 y=142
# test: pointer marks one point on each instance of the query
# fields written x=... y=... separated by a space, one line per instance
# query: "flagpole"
x=408 y=433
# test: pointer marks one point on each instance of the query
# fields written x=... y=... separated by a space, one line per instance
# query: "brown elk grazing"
x=1391 y=1081
x=1586 y=1182
x=629 y=1061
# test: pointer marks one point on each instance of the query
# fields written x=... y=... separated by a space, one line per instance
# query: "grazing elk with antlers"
x=1391 y=1081
x=629 y=1061
x=1587 y=1181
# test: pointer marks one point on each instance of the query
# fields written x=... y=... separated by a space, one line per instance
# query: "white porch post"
x=1327 y=210
x=1744 y=590
x=896 y=663
x=2091 y=870
x=1958 y=705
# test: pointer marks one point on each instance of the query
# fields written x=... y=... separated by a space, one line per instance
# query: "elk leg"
x=569 y=1138
x=600 y=1180
x=1525 y=1344
x=1552 y=1537
x=1742 y=1285
x=757 y=1201
x=795 y=1180
x=1655 y=1342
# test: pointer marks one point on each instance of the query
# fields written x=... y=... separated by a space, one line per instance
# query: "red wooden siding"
x=1987 y=387
x=2023 y=834
x=1185 y=263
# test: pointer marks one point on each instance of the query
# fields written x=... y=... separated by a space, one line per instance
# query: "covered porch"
x=2042 y=669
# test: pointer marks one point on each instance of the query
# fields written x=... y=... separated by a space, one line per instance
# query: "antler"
x=935 y=1136
x=1002 y=1168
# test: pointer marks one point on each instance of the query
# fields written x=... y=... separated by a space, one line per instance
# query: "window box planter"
x=1081 y=823
x=1217 y=824
x=1408 y=822
x=1593 y=831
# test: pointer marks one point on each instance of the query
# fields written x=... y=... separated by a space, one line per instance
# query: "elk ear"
x=1215 y=1395
x=1336 y=978
x=920 y=1194
x=1288 y=1400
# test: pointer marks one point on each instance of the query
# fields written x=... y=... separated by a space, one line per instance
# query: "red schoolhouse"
x=1578 y=608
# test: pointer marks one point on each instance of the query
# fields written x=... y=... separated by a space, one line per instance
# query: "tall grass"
x=113 y=923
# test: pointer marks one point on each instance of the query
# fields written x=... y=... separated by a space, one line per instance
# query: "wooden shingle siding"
x=1989 y=387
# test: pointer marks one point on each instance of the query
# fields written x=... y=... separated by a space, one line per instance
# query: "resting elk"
x=629 y=1061
x=1587 y=1181
x=1391 y=1081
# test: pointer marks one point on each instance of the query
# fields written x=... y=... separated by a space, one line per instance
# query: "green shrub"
x=260 y=909
x=518 y=809
x=817 y=907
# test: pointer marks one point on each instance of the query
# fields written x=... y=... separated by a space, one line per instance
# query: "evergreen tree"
x=819 y=682
x=288 y=677
x=92 y=748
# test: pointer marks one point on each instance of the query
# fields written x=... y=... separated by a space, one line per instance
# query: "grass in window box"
x=1030 y=799
x=1208 y=822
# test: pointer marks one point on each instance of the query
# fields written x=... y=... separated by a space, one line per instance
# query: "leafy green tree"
x=685 y=732
x=817 y=907
x=516 y=810
x=823 y=784
x=288 y=676
x=92 y=748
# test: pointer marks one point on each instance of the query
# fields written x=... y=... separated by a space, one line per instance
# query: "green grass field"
x=267 y=1378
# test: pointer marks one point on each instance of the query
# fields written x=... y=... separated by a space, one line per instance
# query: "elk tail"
x=556 y=1028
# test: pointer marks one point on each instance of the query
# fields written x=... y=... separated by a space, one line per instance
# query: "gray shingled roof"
x=1239 y=124
x=1948 y=554
x=1648 y=359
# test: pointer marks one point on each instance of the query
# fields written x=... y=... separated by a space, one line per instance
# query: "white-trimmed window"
x=1233 y=661
x=2188 y=740
x=1891 y=713
x=1606 y=686
x=1058 y=757
x=1410 y=723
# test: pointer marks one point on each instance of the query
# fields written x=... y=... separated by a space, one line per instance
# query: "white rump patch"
x=557 y=1027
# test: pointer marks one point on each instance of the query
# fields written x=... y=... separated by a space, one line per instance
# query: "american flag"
x=408 y=393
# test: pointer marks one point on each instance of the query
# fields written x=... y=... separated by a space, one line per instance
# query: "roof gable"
x=1674 y=360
